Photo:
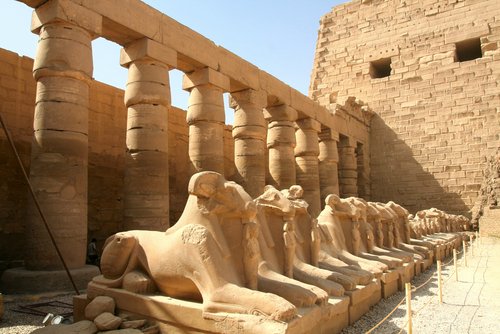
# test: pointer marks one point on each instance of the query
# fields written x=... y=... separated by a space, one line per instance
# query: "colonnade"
x=275 y=142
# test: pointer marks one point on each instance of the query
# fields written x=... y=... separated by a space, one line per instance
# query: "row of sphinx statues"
x=267 y=256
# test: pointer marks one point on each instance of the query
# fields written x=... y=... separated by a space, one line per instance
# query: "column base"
x=23 y=281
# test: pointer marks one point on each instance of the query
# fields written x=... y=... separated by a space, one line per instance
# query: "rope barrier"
x=386 y=317
x=414 y=289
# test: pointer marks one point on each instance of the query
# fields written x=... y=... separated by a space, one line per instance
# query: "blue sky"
x=278 y=36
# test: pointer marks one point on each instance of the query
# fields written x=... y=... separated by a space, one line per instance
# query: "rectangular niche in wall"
x=380 y=68
x=468 y=50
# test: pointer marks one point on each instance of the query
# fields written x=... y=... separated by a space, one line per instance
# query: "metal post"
x=440 y=283
x=408 y=306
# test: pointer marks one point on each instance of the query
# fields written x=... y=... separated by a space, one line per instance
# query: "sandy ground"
x=470 y=305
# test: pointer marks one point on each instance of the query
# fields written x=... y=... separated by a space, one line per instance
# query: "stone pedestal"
x=348 y=170
x=147 y=98
x=281 y=144
x=328 y=163
x=329 y=318
x=249 y=133
x=206 y=119
x=306 y=162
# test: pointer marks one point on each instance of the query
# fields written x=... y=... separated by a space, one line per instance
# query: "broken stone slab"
x=99 y=305
x=107 y=321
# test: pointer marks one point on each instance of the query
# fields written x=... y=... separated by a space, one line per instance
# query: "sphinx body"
x=201 y=257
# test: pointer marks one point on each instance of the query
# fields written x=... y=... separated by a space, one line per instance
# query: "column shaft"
x=306 y=162
x=348 y=172
x=249 y=133
x=328 y=163
x=146 y=185
x=206 y=119
x=59 y=152
x=281 y=144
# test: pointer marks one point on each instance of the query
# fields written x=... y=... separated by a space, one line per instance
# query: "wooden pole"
x=408 y=306
x=455 y=264
x=440 y=283
x=464 y=249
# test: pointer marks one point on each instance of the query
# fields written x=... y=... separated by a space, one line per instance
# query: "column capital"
x=255 y=97
x=205 y=76
x=281 y=112
x=328 y=134
x=69 y=12
x=147 y=49
x=309 y=124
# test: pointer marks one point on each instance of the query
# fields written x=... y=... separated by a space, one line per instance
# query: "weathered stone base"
x=406 y=275
x=361 y=300
x=389 y=282
x=23 y=281
x=426 y=263
x=419 y=266
x=377 y=293
x=179 y=316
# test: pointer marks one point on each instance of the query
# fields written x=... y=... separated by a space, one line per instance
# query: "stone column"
x=59 y=151
x=281 y=144
x=348 y=172
x=306 y=162
x=249 y=133
x=147 y=98
x=206 y=119
x=328 y=163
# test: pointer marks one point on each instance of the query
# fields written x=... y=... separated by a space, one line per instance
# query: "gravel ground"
x=22 y=323
x=471 y=305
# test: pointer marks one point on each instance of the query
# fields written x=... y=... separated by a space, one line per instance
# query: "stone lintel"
x=281 y=112
x=146 y=48
x=33 y=3
x=66 y=11
x=205 y=76
x=278 y=92
x=309 y=124
x=256 y=97
x=328 y=134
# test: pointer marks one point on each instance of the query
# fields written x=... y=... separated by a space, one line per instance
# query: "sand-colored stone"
x=306 y=162
x=249 y=133
x=99 y=305
x=147 y=97
x=107 y=321
x=280 y=145
x=205 y=117
x=328 y=163
x=59 y=150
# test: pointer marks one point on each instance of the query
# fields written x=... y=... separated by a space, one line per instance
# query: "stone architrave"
x=306 y=162
x=59 y=152
x=206 y=119
x=249 y=133
x=281 y=144
x=328 y=163
x=147 y=98
x=348 y=169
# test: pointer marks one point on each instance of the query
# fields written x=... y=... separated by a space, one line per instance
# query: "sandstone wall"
x=437 y=119
x=107 y=123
